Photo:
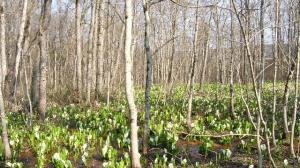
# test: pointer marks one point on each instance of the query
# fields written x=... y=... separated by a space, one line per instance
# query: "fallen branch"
x=220 y=136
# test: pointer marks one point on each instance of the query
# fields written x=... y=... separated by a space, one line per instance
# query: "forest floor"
x=99 y=136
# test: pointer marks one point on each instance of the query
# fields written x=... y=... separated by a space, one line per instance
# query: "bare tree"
x=3 y=64
x=26 y=56
x=80 y=58
x=109 y=43
x=90 y=52
x=231 y=89
x=174 y=27
x=101 y=38
x=297 y=60
x=2 y=74
x=78 y=48
x=260 y=118
x=135 y=156
x=20 y=44
x=44 y=20
x=146 y=7
x=192 y=71
x=95 y=43
x=262 y=45
x=205 y=54
x=4 y=129
x=35 y=84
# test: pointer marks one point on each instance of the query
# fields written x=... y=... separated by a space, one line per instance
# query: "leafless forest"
x=149 y=83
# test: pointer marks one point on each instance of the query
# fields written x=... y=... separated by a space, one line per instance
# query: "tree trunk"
x=109 y=54
x=4 y=129
x=296 y=87
x=35 y=85
x=135 y=156
x=78 y=48
x=26 y=55
x=146 y=7
x=101 y=37
x=90 y=53
x=28 y=96
x=290 y=75
x=192 y=71
x=174 y=22
x=262 y=45
x=260 y=118
x=3 y=64
x=205 y=55
x=2 y=74
x=95 y=43
x=45 y=13
x=231 y=87
x=55 y=71
x=20 y=44
x=119 y=54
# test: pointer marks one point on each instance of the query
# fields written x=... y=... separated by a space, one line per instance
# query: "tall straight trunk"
x=290 y=35
x=231 y=87
x=296 y=88
x=205 y=55
x=20 y=44
x=26 y=55
x=262 y=46
x=108 y=84
x=119 y=54
x=90 y=53
x=4 y=129
x=35 y=84
x=101 y=37
x=174 y=22
x=218 y=41
x=95 y=43
x=2 y=74
x=192 y=71
x=55 y=71
x=28 y=96
x=146 y=7
x=3 y=64
x=109 y=53
x=44 y=20
x=290 y=75
x=74 y=75
x=276 y=50
x=247 y=24
x=79 y=48
x=135 y=156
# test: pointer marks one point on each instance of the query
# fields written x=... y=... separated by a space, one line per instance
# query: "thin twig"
x=220 y=136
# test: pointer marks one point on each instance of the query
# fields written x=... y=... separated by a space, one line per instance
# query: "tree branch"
x=220 y=136
x=162 y=46
x=153 y=2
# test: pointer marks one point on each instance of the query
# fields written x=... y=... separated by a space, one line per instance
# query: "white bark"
x=2 y=73
x=296 y=88
x=20 y=44
x=192 y=71
x=78 y=48
x=3 y=64
x=135 y=156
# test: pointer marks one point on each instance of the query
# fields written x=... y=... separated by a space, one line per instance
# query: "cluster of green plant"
x=74 y=134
